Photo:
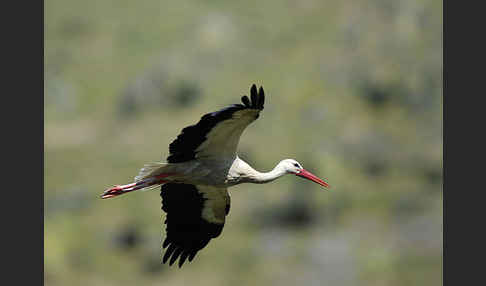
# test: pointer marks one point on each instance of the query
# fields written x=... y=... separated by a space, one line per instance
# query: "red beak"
x=309 y=176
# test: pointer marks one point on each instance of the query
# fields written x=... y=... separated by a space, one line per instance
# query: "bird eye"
x=296 y=165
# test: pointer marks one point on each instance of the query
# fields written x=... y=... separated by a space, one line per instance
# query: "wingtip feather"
x=191 y=256
x=261 y=97
x=168 y=253
x=175 y=256
x=245 y=101
x=183 y=258
x=166 y=242
x=253 y=95
x=257 y=98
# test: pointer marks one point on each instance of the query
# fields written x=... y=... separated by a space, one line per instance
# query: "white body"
x=224 y=172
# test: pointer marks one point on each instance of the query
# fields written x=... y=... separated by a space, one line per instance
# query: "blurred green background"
x=354 y=93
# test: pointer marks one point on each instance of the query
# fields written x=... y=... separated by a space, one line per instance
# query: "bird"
x=203 y=163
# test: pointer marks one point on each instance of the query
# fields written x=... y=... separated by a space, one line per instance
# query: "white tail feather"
x=149 y=188
x=149 y=170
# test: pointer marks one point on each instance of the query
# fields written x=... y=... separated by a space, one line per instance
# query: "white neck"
x=261 y=178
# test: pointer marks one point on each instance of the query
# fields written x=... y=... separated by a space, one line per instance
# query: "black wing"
x=195 y=215
x=217 y=133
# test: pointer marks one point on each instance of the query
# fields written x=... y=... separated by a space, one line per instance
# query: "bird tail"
x=151 y=175
x=150 y=169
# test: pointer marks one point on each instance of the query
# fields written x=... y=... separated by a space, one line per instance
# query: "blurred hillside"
x=354 y=93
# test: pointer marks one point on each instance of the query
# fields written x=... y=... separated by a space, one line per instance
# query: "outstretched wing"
x=218 y=133
x=195 y=215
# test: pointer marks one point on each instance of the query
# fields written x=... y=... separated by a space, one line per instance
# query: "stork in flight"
x=202 y=165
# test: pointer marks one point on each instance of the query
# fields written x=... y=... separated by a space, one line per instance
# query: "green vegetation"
x=354 y=93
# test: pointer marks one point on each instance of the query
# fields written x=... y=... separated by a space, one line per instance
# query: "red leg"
x=123 y=189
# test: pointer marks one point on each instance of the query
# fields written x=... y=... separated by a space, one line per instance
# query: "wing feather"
x=195 y=215
x=217 y=133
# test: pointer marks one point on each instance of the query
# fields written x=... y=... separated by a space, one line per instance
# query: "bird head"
x=293 y=167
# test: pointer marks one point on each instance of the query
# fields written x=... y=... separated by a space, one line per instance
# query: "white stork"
x=202 y=165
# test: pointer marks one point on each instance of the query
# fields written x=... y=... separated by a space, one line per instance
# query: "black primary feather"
x=245 y=101
x=187 y=232
x=261 y=97
x=254 y=96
